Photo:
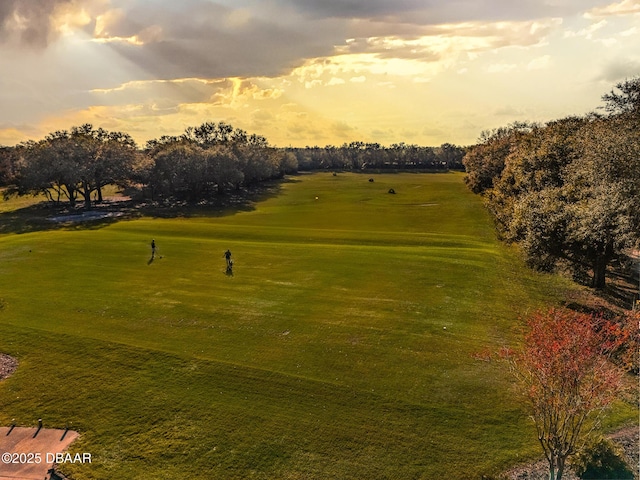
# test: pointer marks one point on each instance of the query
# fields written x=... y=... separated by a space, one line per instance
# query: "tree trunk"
x=556 y=466
x=599 y=272
x=72 y=196
x=552 y=470
x=87 y=196
x=560 y=470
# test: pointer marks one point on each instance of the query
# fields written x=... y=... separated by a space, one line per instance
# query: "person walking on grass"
x=153 y=249
x=227 y=255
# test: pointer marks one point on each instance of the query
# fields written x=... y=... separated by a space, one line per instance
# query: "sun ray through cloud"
x=300 y=72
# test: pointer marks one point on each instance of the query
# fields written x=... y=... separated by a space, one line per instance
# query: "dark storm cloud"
x=28 y=21
x=357 y=8
x=198 y=38
x=203 y=39
x=213 y=39
x=439 y=10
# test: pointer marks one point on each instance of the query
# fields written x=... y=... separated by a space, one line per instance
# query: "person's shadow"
x=229 y=271
x=151 y=260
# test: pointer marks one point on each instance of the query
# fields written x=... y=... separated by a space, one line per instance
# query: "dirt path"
x=8 y=365
x=627 y=438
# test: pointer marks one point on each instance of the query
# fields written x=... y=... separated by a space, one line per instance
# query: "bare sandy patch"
x=29 y=453
x=8 y=365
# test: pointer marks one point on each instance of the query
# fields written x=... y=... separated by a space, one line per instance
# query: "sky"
x=309 y=72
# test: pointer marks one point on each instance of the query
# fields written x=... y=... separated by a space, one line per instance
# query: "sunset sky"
x=309 y=72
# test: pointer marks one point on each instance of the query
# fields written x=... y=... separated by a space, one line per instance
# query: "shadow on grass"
x=619 y=294
x=46 y=216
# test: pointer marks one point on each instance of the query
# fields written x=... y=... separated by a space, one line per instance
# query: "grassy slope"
x=323 y=357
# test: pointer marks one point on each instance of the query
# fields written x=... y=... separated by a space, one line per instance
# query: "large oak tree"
x=568 y=190
x=75 y=163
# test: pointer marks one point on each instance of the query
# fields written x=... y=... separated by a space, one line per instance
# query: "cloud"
x=394 y=46
x=162 y=93
x=262 y=119
x=625 y=7
x=28 y=21
x=335 y=81
x=539 y=63
x=438 y=40
x=620 y=69
x=588 y=32
x=422 y=57
x=167 y=95
x=208 y=40
x=630 y=32
x=204 y=39
x=14 y=134
x=347 y=9
x=501 y=67
x=155 y=66
x=509 y=111
x=405 y=14
x=342 y=129
x=36 y=23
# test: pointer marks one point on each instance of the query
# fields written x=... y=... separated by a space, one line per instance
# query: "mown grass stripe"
x=323 y=356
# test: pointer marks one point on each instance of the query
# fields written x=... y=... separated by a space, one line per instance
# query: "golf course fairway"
x=340 y=347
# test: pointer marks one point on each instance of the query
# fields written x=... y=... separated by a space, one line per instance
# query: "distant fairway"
x=340 y=348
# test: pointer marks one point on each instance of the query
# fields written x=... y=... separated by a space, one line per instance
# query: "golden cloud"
x=625 y=7
x=439 y=48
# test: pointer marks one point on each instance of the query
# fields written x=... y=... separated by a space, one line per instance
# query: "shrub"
x=601 y=460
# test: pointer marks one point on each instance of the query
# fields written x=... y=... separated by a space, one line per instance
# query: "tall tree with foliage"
x=213 y=158
x=180 y=170
x=485 y=161
x=47 y=167
x=527 y=199
x=565 y=374
x=626 y=100
x=602 y=196
x=75 y=163
x=8 y=159
x=567 y=191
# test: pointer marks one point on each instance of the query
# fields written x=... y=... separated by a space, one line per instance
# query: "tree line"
x=568 y=191
x=214 y=158
x=373 y=156
x=75 y=165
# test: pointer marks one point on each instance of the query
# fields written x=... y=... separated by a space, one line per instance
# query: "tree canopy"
x=206 y=160
x=75 y=163
x=626 y=100
x=567 y=377
x=567 y=191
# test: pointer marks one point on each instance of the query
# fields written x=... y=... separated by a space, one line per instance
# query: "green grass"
x=324 y=356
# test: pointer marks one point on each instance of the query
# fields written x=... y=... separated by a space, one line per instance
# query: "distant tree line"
x=211 y=159
x=373 y=156
x=567 y=191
